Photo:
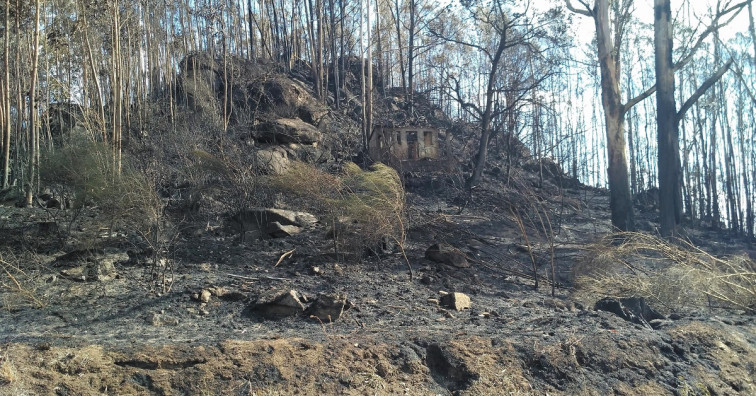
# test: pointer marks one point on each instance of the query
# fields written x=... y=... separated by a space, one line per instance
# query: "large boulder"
x=287 y=130
x=287 y=94
x=201 y=82
x=270 y=223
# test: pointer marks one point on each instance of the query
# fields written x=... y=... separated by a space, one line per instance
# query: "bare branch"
x=714 y=26
x=739 y=73
x=587 y=11
x=457 y=91
x=634 y=101
x=703 y=88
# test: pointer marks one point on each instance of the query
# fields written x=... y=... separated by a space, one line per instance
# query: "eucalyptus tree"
x=609 y=38
x=7 y=131
x=32 y=124
x=667 y=115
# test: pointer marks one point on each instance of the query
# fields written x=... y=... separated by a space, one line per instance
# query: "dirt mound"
x=690 y=358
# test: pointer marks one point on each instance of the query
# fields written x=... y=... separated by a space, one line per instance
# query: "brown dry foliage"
x=674 y=276
x=365 y=206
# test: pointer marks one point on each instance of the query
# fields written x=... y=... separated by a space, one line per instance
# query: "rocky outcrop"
x=288 y=95
x=632 y=309
x=254 y=89
x=287 y=130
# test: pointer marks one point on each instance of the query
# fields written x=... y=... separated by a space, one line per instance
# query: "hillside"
x=361 y=280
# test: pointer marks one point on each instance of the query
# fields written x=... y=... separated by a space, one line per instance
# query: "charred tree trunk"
x=667 y=138
x=33 y=165
x=6 y=133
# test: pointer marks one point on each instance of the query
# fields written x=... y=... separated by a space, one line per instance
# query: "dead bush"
x=85 y=176
x=17 y=284
x=673 y=276
x=231 y=177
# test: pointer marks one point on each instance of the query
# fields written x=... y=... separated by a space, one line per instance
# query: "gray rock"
x=272 y=160
x=102 y=270
x=632 y=309
x=329 y=307
x=290 y=94
x=52 y=203
x=278 y=304
x=287 y=130
x=204 y=296
x=278 y=230
x=447 y=254
x=456 y=301
x=290 y=217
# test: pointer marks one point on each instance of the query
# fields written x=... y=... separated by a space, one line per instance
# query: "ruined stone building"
x=407 y=147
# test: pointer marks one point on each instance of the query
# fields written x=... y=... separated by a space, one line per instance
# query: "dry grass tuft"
x=8 y=374
x=364 y=207
x=673 y=276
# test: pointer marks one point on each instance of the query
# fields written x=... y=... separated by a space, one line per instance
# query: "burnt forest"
x=377 y=197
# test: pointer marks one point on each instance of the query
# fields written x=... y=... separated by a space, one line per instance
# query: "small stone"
x=205 y=296
x=76 y=274
x=457 y=301
x=433 y=301
x=317 y=271
x=233 y=295
x=218 y=291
